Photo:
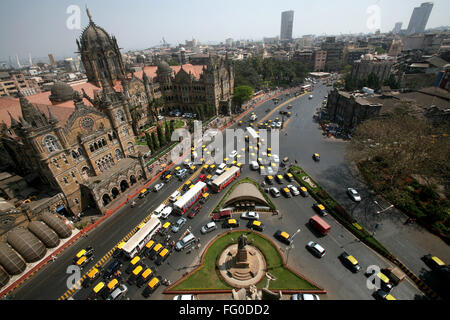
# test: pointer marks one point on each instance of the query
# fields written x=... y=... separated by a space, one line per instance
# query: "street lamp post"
x=291 y=246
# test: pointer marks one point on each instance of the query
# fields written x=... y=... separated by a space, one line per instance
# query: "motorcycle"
x=133 y=204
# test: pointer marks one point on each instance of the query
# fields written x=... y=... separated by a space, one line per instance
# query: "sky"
x=40 y=27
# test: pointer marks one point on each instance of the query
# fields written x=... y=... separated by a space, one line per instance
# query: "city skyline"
x=145 y=23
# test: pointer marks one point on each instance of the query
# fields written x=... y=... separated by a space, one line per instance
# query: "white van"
x=157 y=212
x=254 y=165
x=186 y=242
x=166 y=212
x=174 y=196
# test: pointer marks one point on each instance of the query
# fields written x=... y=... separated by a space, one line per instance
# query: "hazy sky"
x=39 y=26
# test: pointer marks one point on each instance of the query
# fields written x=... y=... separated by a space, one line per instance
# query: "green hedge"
x=337 y=211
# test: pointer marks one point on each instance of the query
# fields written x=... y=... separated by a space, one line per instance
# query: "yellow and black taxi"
x=382 y=279
x=350 y=262
x=83 y=252
x=135 y=274
x=151 y=286
x=280 y=178
x=167 y=178
x=97 y=291
x=156 y=249
x=110 y=287
x=303 y=191
x=269 y=179
x=204 y=197
x=231 y=223
x=316 y=157
x=145 y=276
x=143 y=193
x=148 y=247
x=433 y=262
x=162 y=256
x=286 y=192
x=84 y=260
x=165 y=228
x=283 y=236
x=186 y=185
x=383 y=295
x=289 y=176
x=255 y=225
x=205 y=168
x=91 y=276
x=133 y=264
x=320 y=208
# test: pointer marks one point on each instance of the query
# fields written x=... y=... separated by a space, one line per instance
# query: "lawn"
x=207 y=277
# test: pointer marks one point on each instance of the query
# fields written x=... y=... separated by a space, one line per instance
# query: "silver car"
x=353 y=194
x=177 y=226
x=250 y=215
x=158 y=187
x=293 y=189
x=316 y=249
x=211 y=226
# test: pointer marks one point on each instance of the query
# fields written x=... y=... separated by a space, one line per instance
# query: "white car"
x=250 y=215
x=211 y=226
x=305 y=296
x=233 y=154
x=270 y=171
x=254 y=165
x=275 y=158
x=293 y=189
x=316 y=249
x=184 y=297
x=353 y=194
x=166 y=212
x=275 y=192
x=158 y=187
x=311 y=96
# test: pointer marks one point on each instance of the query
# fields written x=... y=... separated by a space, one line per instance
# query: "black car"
x=112 y=268
x=255 y=225
x=350 y=262
x=283 y=237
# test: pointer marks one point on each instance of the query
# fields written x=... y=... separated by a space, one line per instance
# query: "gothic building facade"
x=81 y=142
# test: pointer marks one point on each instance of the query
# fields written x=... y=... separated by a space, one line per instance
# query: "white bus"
x=141 y=237
x=252 y=134
x=189 y=198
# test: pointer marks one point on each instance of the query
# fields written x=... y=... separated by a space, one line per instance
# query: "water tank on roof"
x=26 y=244
x=10 y=260
x=4 y=277
x=44 y=233
x=56 y=224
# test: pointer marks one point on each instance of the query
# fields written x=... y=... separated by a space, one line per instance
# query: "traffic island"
x=208 y=278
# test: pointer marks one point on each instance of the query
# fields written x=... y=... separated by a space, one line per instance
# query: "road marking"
x=281 y=105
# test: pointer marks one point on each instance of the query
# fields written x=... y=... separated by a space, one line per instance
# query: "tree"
x=155 y=141
x=161 y=138
x=380 y=50
x=373 y=81
x=167 y=132
x=150 y=144
x=171 y=126
x=242 y=94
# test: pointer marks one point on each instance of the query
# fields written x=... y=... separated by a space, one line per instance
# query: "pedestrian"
x=53 y=258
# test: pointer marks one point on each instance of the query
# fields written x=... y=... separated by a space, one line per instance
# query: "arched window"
x=125 y=131
x=130 y=147
x=51 y=143
x=118 y=154
x=74 y=155
x=119 y=115
x=80 y=152
x=110 y=137
x=95 y=146
x=91 y=147
x=104 y=142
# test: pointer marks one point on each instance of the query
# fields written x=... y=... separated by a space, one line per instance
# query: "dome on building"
x=4 y=277
x=56 y=224
x=94 y=35
x=44 y=233
x=368 y=57
x=26 y=244
x=10 y=260
x=61 y=92
x=163 y=67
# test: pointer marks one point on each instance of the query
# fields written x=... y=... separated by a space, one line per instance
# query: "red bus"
x=189 y=198
x=225 y=178
x=320 y=225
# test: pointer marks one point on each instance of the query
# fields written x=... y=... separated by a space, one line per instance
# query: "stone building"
x=371 y=64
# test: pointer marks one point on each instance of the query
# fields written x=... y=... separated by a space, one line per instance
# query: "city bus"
x=141 y=237
x=253 y=134
x=306 y=88
x=225 y=178
x=189 y=198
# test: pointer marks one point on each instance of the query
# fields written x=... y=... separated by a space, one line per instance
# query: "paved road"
x=303 y=140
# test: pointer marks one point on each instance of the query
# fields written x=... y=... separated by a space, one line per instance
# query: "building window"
x=65 y=180
x=55 y=162
x=51 y=143
x=120 y=116
x=118 y=154
x=130 y=147
x=76 y=201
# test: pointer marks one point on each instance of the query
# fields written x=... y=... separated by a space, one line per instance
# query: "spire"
x=51 y=117
x=13 y=121
x=89 y=15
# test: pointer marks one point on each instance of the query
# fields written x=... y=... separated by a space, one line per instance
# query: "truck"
x=320 y=225
x=252 y=134
x=222 y=215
